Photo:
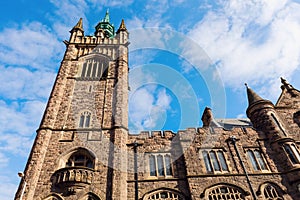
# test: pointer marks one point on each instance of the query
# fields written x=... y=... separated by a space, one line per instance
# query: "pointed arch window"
x=80 y=159
x=162 y=194
x=85 y=120
x=270 y=192
x=95 y=67
x=225 y=192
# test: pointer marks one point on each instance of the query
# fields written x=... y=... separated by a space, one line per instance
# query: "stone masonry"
x=84 y=150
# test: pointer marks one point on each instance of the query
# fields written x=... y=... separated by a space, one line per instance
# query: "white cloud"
x=21 y=83
x=148 y=107
x=31 y=44
x=252 y=41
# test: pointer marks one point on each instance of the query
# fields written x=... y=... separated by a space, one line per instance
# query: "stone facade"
x=84 y=150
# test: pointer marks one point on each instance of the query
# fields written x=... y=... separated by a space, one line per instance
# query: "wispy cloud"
x=30 y=44
x=252 y=41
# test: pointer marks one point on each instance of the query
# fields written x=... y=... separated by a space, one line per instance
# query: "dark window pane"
x=83 y=70
x=206 y=161
x=252 y=160
x=222 y=161
x=152 y=166
x=296 y=152
x=160 y=165
x=290 y=153
x=214 y=161
x=87 y=121
x=260 y=160
x=168 y=165
x=81 y=121
x=95 y=67
x=89 y=68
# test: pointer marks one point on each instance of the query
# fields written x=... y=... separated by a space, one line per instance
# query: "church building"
x=84 y=150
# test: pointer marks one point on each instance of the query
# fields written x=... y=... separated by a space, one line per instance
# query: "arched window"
x=271 y=192
x=53 y=197
x=80 y=159
x=94 y=68
x=224 y=192
x=90 y=196
x=85 y=120
x=162 y=194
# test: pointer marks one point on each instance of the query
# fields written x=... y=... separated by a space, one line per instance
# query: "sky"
x=183 y=56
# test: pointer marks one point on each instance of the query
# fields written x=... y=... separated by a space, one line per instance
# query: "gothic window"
x=292 y=152
x=85 y=119
x=257 y=160
x=214 y=160
x=160 y=165
x=271 y=193
x=224 y=192
x=80 y=159
x=95 y=67
x=53 y=197
x=164 y=194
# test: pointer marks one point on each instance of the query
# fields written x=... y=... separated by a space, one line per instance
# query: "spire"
x=106 y=18
x=106 y=27
x=122 y=26
x=78 y=25
x=252 y=96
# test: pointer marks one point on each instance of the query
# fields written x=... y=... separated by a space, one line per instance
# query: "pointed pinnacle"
x=79 y=25
x=252 y=96
x=122 y=26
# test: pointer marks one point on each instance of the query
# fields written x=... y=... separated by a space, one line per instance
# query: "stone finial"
x=285 y=84
x=208 y=118
x=78 y=25
x=122 y=26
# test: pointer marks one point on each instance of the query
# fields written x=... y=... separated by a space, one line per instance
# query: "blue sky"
x=184 y=55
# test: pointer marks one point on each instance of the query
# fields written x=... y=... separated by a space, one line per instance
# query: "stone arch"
x=93 y=66
x=270 y=191
x=90 y=196
x=63 y=159
x=224 y=191
x=164 y=193
x=53 y=196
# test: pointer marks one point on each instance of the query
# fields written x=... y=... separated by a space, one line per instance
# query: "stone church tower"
x=84 y=151
x=85 y=118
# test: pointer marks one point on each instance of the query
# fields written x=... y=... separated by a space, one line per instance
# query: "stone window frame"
x=296 y=118
x=53 y=196
x=270 y=191
x=93 y=67
x=85 y=119
x=164 y=193
x=77 y=151
x=215 y=160
x=292 y=152
x=258 y=162
x=80 y=159
x=162 y=164
x=224 y=191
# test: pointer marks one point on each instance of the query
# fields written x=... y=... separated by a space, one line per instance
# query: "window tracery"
x=292 y=152
x=94 y=68
x=270 y=192
x=257 y=160
x=225 y=192
x=80 y=159
x=164 y=194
